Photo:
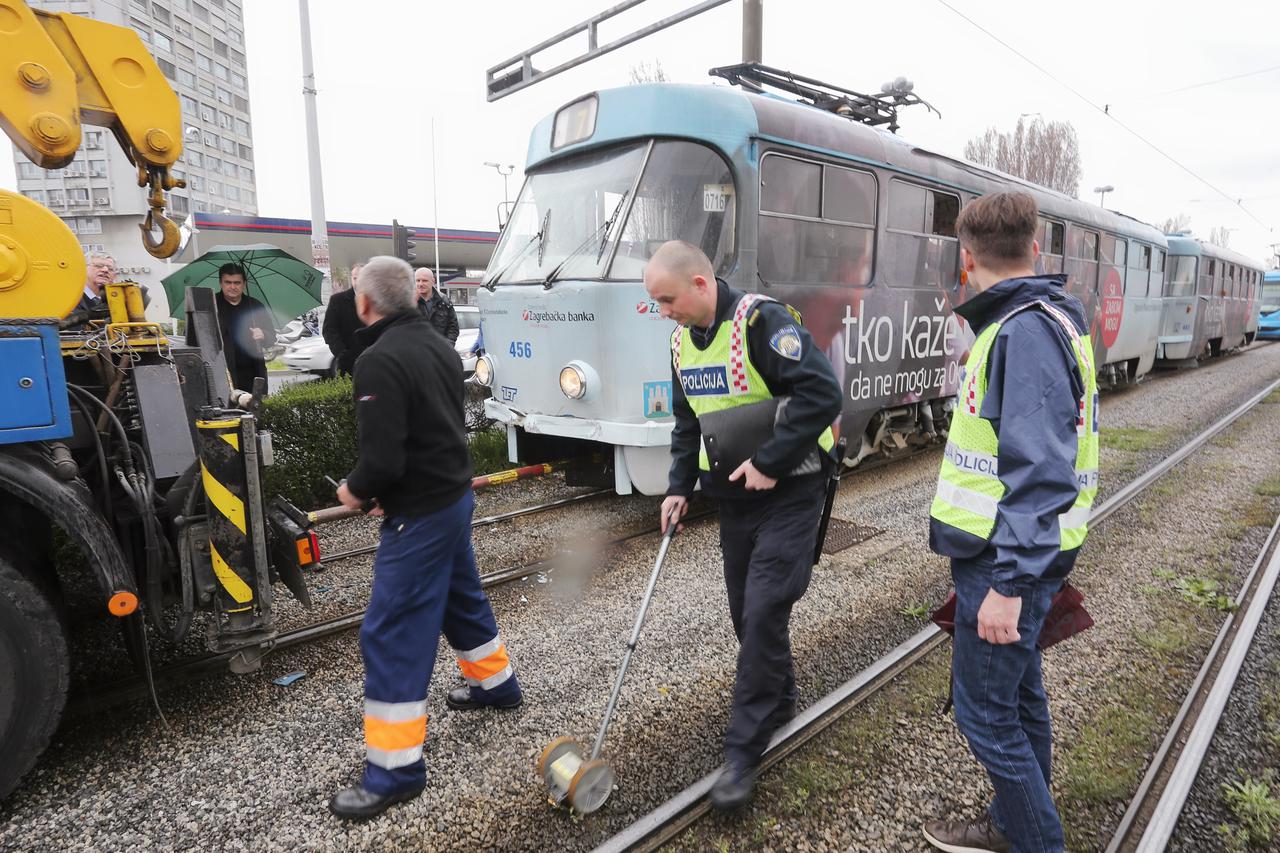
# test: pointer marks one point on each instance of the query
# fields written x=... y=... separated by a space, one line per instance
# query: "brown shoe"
x=978 y=836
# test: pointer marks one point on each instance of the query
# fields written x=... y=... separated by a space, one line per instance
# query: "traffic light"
x=401 y=245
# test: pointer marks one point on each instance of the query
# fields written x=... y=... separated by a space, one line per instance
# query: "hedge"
x=313 y=433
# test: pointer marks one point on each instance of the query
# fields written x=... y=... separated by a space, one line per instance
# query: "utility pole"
x=753 y=30
x=319 y=226
x=1102 y=194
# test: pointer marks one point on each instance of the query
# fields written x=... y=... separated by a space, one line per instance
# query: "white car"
x=311 y=354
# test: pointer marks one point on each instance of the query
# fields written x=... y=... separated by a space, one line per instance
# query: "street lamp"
x=505 y=172
x=1102 y=194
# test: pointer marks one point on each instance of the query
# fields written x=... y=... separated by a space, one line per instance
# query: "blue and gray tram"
x=850 y=224
x=1210 y=300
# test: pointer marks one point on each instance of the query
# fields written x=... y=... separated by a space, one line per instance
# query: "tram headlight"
x=573 y=381
x=484 y=370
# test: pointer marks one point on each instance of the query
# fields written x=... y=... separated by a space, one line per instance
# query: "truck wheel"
x=34 y=670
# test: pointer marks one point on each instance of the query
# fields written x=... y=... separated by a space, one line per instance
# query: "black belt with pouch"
x=732 y=436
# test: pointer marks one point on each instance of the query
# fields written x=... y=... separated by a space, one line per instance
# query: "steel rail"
x=675 y=815
x=1174 y=768
x=483 y=521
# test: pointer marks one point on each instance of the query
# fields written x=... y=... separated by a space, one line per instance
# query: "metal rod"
x=635 y=638
x=753 y=30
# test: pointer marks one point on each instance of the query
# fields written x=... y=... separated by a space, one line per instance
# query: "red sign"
x=1112 y=307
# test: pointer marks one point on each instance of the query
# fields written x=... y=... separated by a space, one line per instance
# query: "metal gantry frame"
x=518 y=72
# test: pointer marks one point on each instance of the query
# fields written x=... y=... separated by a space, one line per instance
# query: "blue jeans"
x=1002 y=709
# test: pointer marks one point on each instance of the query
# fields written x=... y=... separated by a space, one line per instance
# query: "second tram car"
x=851 y=225
x=1269 y=306
x=1210 y=298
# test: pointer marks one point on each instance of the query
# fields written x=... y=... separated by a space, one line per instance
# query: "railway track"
x=686 y=808
x=1148 y=823
x=100 y=697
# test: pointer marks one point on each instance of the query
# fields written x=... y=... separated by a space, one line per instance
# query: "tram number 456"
x=520 y=349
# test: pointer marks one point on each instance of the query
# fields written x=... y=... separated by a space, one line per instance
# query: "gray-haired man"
x=414 y=462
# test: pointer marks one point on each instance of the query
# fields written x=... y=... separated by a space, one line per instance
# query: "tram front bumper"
x=650 y=434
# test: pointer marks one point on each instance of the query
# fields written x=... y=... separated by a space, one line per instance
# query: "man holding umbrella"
x=246 y=328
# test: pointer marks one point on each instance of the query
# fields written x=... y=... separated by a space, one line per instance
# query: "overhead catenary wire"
x=1106 y=111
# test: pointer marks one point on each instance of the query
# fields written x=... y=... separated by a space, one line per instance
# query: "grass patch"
x=1105 y=765
x=1256 y=813
x=1203 y=592
x=919 y=611
x=1131 y=439
x=1166 y=639
x=1273 y=397
x=489 y=451
x=1269 y=488
x=276 y=364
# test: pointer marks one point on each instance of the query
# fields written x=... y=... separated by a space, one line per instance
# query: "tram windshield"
x=589 y=218
x=1270 y=297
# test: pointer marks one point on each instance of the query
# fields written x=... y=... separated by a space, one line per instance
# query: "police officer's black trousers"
x=768 y=546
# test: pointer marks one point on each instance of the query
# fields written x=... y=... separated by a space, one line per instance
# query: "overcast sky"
x=386 y=68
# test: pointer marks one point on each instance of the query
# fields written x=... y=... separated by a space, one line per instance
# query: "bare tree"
x=646 y=73
x=1176 y=224
x=1045 y=154
x=1220 y=236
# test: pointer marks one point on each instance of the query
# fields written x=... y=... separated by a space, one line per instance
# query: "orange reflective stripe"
x=486 y=666
x=380 y=734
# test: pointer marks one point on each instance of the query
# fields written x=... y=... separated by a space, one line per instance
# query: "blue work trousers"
x=424 y=582
x=1002 y=709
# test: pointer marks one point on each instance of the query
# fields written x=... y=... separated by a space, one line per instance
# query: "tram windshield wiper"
x=602 y=231
x=538 y=239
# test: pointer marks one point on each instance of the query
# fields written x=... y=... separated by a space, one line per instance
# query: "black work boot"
x=733 y=789
x=356 y=803
x=783 y=714
x=977 y=836
x=464 y=699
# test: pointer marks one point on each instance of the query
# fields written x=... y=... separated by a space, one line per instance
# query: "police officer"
x=1018 y=477
x=735 y=349
x=414 y=463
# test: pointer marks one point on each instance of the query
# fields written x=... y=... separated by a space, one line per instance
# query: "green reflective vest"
x=969 y=487
x=722 y=375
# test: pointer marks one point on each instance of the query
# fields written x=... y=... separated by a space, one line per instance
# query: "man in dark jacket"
x=246 y=328
x=435 y=306
x=736 y=349
x=414 y=463
x=340 y=327
x=1018 y=478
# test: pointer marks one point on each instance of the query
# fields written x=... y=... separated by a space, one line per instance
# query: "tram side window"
x=1157 y=273
x=1181 y=280
x=817 y=222
x=920 y=248
x=1052 y=245
x=1206 y=277
x=1082 y=260
x=686 y=193
x=1139 y=270
x=1112 y=251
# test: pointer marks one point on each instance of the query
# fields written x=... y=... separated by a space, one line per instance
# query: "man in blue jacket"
x=1012 y=506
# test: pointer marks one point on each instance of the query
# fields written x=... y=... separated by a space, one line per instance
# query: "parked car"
x=311 y=354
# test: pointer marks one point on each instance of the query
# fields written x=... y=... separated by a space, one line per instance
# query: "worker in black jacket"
x=435 y=306
x=414 y=463
x=737 y=349
x=340 y=327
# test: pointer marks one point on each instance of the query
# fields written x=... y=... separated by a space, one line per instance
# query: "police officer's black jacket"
x=807 y=379
x=413 y=444
x=340 y=326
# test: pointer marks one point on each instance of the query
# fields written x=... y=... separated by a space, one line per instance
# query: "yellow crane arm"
x=59 y=71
